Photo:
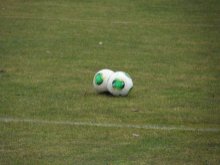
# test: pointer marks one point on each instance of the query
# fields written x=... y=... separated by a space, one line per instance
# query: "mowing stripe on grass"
x=110 y=125
x=110 y=22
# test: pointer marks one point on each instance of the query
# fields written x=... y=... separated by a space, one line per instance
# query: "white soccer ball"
x=120 y=84
x=100 y=80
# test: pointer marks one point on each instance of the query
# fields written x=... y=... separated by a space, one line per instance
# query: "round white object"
x=100 y=80
x=120 y=84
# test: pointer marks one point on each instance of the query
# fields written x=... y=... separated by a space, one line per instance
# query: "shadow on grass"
x=92 y=93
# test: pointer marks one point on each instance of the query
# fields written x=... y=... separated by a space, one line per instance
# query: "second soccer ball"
x=120 y=84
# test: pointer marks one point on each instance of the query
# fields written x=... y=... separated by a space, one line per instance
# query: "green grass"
x=37 y=144
x=49 y=53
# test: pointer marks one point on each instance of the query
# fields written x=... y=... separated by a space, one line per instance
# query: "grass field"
x=50 y=51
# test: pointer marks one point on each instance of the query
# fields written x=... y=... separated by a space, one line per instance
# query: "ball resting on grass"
x=100 y=80
x=120 y=84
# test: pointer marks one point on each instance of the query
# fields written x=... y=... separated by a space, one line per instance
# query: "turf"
x=50 y=51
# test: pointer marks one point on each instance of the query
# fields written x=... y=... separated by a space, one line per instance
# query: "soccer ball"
x=120 y=84
x=100 y=80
